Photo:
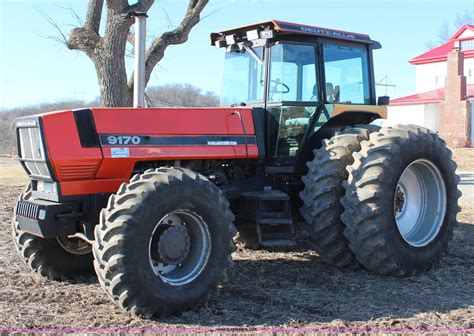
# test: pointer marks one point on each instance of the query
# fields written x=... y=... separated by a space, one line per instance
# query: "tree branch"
x=119 y=19
x=83 y=40
x=62 y=38
x=94 y=15
x=73 y=14
x=177 y=36
x=141 y=6
x=87 y=38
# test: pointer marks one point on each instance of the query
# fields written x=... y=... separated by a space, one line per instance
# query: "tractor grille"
x=32 y=152
x=27 y=209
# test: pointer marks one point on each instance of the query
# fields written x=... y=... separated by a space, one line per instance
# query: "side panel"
x=70 y=161
x=130 y=135
x=163 y=133
x=173 y=121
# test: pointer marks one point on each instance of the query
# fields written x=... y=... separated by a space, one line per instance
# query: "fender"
x=339 y=117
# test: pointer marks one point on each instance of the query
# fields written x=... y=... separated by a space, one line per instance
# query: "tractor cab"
x=300 y=77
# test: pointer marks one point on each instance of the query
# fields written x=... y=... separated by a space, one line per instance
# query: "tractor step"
x=278 y=243
x=274 y=221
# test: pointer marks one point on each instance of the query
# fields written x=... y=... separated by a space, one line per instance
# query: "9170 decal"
x=123 y=140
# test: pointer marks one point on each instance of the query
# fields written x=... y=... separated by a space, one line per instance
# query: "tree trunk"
x=108 y=52
x=114 y=91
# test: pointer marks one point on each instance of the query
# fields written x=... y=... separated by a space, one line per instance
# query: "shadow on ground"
x=297 y=288
x=275 y=290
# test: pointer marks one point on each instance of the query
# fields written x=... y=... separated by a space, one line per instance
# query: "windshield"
x=243 y=78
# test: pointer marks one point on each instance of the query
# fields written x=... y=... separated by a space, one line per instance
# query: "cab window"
x=243 y=80
x=347 y=75
x=292 y=73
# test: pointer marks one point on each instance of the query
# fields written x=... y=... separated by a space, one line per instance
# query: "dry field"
x=272 y=289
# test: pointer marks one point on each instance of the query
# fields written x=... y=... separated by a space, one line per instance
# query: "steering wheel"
x=277 y=82
x=285 y=88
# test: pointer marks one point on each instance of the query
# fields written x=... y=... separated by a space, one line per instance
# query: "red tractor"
x=152 y=198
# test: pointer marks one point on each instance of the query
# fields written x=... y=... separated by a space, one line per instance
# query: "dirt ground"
x=269 y=289
x=464 y=157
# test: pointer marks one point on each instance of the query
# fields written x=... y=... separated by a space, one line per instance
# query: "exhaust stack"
x=140 y=42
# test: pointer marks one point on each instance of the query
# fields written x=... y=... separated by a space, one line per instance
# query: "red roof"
x=430 y=97
x=439 y=54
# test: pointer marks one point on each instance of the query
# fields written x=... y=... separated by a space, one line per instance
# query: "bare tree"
x=184 y=95
x=446 y=31
x=107 y=52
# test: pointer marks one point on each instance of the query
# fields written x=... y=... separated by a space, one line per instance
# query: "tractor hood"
x=105 y=143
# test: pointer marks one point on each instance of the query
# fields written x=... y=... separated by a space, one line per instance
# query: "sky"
x=36 y=69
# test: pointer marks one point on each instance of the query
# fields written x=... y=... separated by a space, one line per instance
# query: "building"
x=444 y=96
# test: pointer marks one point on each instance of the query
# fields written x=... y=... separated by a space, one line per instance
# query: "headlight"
x=47 y=187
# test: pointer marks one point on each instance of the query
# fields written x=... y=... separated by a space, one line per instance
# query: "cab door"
x=292 y=99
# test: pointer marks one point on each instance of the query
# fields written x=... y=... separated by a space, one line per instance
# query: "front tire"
x=52 y=258
x=401 y=201
x=164 y=242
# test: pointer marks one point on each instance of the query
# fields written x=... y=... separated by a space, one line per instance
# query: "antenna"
x=386 y=84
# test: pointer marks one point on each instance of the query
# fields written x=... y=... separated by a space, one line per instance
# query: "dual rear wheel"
x=390 y=205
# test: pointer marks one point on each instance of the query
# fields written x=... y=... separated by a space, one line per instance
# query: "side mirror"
x=383 y=100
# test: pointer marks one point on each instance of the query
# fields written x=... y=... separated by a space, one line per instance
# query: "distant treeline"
x=169 y=95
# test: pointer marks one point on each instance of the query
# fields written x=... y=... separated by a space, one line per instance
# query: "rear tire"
x=323 y=190
x=164 y=242
x=52 y=258
x=401 y=201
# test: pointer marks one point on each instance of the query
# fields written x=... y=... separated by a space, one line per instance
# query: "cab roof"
x=287 y=28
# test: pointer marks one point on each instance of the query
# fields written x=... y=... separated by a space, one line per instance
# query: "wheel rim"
x=420 y=203
x=179 y=247
x=74 y=245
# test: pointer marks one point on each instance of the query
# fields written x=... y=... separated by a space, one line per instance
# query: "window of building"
x=440 y=80
x=467 y=44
